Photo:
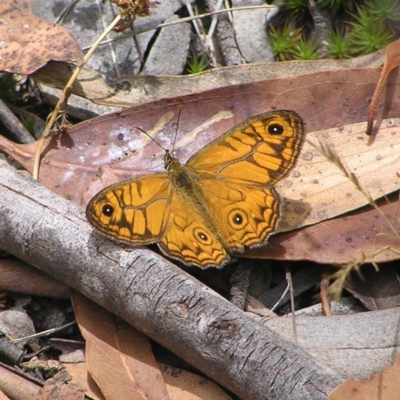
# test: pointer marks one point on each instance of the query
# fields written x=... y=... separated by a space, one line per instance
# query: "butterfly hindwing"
x=245 y=215
x=189 y=238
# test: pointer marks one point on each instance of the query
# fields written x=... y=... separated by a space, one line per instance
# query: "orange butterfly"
x=222 y=200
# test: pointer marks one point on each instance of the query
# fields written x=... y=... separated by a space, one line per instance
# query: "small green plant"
x=283 y=42
x=334 y=6
x=368 y=40
x=338 y=45
x=359 y=27
x=296 y=11
x=195 y=64
x=387 y=11
x=295 y=5
x=368 y=34
x=306 y=49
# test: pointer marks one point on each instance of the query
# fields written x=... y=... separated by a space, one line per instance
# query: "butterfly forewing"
x=134 y=211
x=260 y=150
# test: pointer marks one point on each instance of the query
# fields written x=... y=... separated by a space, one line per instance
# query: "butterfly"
x=210 y=209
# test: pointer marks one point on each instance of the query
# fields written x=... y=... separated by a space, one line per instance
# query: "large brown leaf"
x=72 y=158
x=138 y=89
x=360 y=236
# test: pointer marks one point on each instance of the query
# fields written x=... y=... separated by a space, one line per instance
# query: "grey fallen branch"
x=156 y=297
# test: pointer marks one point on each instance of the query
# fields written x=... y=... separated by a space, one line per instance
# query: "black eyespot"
x=107 y=210
x=275 y=129
x=237 y=219
x=202 y=236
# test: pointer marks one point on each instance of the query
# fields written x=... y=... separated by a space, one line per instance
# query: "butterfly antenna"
x=177 y=129
x=154 y=140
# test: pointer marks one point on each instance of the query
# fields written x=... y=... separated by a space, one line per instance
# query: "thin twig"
x=14 y=126
x=44 y=333
x=292 y=306
x=187 y=19
x=64 y=96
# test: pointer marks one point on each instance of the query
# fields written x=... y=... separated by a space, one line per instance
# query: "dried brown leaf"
x=119 y=357
x=28 y=42
x=382 y=386
x=139 y=89
x=360 y=236
x=80 y=376
x=392 y=61
x=376 y=289
x=184 y=385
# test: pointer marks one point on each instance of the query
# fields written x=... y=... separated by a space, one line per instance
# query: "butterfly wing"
x=260 y=150
x=135 y=211
x=189 y=238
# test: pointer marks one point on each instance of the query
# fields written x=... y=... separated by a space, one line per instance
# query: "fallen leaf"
x=376 y=289
x=139 y=89
x=314 y=191
x=119 y=357
x=382 y=386
x=28 y=42
x=392 y=61
x=358 y=237
x=72 y=159
x=184 y=385
x=79 y=376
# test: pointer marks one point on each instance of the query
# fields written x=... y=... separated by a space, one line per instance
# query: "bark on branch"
x=156 y=297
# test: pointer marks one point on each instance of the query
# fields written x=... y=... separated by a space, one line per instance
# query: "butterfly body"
x=217 y=204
